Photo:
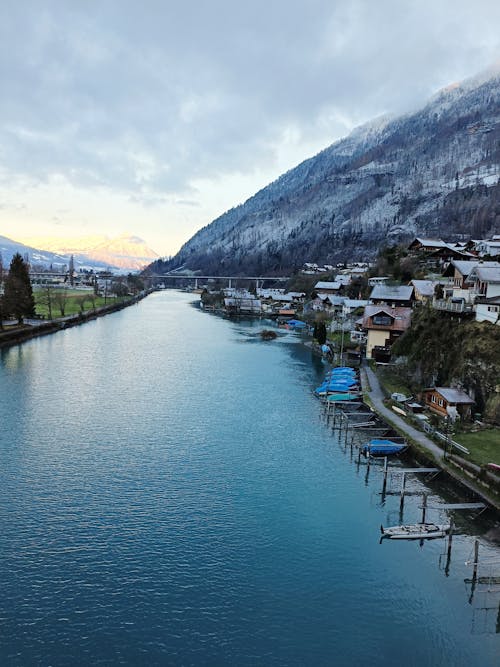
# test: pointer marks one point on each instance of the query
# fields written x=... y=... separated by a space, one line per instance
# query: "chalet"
x=424 y=289
x=448 y=402
x=485 y=280
x=328 y=287
x=377 y=280
x=326 y=302
x=242 y=305
x=489 y=247
x=459 y=270
x=488 y=310
x=383 y=325
x=448 y=252
x=419 y=245
x=343 y=278
x=393 y=295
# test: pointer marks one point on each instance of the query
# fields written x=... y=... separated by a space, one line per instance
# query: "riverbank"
x=21 y=334
x=466 y=473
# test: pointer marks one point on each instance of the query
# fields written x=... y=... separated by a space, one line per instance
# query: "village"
x=365 y=315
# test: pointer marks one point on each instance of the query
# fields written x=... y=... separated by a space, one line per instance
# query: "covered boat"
x=416 y=531
x=381 y=447
x=336 y=398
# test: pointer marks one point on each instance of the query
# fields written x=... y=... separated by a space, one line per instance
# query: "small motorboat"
x=416 y=531
x=380 y=447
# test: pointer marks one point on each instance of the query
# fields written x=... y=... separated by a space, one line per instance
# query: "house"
x=485 y=280
x=393 y=295
x=460 y=271
x=448 y=252
x=489 y=247
x=326 y=302
x=383 y=325
x=327 y=287
x=242 y=305
x=488 y=310
x=343 y=278
x=424 y=289
x=448 y=402
x=425 y=245
x=377 y=280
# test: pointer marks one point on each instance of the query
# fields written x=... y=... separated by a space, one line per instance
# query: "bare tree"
x=46 y=300
x=61 y=299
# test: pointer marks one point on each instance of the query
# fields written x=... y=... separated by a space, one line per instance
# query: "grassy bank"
x=59 y=303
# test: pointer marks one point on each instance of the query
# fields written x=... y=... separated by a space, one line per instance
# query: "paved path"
x=371 y=387
x=377 y=398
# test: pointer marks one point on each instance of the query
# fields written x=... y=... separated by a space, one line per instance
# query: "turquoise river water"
x=172 y=495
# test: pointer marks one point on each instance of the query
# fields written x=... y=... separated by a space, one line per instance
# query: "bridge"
x=154 y=279
x=259 y=280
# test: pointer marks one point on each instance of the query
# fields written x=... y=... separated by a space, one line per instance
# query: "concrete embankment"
x=470 y=475
x=42 y=328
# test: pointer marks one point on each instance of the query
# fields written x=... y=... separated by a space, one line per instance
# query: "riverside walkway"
x=372 y=389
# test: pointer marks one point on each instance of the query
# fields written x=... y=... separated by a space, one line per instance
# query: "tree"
x=45 y=299
x=18 y=294
x=61 y=299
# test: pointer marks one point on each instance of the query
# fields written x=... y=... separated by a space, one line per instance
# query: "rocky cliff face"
x=430 y=173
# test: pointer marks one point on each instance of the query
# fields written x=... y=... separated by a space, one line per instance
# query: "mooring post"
x=403 y=485
x=424 y=507
x=476 y=559
x=450 y=538
x=384 y=484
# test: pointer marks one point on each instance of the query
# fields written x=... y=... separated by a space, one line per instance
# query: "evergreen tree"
x=18 y=296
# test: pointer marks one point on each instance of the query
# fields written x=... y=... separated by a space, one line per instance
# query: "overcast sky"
x=155 y=116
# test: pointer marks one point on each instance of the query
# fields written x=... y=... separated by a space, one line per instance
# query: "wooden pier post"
x=403 y=485
x=450 y=538
x=384 y=483
x=476 y=559
x=424 y=507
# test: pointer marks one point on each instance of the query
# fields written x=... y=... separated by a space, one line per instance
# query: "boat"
x=380 y=447
x=336 y=398
x=416 y=531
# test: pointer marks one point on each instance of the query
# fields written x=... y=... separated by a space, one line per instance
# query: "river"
x=171 y=495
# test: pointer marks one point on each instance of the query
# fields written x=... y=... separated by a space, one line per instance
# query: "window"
x=440 y=402
x=433 y=398
x=382 y=320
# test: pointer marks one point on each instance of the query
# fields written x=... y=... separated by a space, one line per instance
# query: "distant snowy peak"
x=126 y=252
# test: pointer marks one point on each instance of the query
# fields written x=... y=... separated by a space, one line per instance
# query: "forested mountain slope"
x=430 y=173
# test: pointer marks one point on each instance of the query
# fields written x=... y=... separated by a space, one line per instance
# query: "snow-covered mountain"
x=44 y=258
x=125 y=252
x=430 y=173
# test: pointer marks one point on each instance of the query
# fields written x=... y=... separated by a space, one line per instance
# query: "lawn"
x=391 y=381
x=484 y=446
x=73 y=302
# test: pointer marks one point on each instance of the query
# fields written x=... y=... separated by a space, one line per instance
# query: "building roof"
x=401 y=318
x=486 y=274
x=428 y=243
x=491 y=301
x=452 y=395
x=424 y=287
x=321 y=285
x=392 y=293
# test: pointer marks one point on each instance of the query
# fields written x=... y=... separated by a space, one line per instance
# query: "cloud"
x=148 y=98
